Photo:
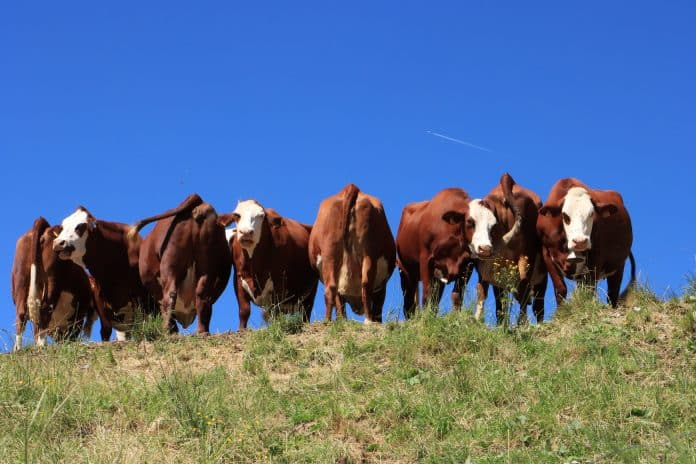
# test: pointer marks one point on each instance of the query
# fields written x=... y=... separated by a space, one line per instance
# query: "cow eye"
x=470 y=223
x=81 y=228
x=566 y=218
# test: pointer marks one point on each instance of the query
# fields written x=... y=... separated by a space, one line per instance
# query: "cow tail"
x=188 y=204
x=35 y=287
x=506 y=183
x=632 y=282
x=350 y=196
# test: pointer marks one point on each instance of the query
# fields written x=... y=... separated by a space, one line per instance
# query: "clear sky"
x=129 y=107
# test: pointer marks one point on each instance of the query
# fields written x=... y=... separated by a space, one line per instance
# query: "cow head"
x=249 y=216
x=481 y=221
x=450 y=251
x=71 y=242
x=48 y=256
x=579 y=212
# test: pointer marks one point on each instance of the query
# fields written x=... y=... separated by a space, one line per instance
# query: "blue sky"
x=127 y=108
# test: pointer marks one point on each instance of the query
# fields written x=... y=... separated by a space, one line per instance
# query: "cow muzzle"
x=63 y=250
x=580 y=244
x=484 y=251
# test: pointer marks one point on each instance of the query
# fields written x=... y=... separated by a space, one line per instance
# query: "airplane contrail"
x=452 y=139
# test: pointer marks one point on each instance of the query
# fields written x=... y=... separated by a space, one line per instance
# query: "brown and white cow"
x=185 y=262
x=505 y=241
x=110 y=255
x=433 y=247
x=271 y=262
x=586 y=236
x=352 y=249
x=55 y=295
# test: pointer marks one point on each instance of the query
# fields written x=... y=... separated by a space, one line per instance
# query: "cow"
x=586 y=236
x=55 y=295
x=432 y=245
x=185 y=262
x=352 y=249
x=110 y=254
x=507 y=248
x=271 y=262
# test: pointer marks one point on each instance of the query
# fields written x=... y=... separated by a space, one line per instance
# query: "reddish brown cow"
x=271 y=262
x=111 y=257
x=352 y=249
x=56 y=295
x=505 y=239
x=433 y=247
x=586 y=236
x=185 y=262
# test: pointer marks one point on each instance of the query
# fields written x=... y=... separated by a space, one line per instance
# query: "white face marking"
x=69 y=236
x=484 y=220
x=578 y=208
x=248 y=230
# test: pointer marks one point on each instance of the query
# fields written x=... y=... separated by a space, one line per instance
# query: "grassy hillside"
x=594 y=385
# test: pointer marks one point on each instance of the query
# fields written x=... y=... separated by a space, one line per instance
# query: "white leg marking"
x=41 y=340
x=18 y=343
x=120 y=336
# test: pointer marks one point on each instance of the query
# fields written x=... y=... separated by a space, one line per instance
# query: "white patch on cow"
x=251 y=217
x=484 y=220
x=121 y=336
x=229 y=233
x=479 y=310
x=440 y=276
x=34 y=299
x=41 y=340
x=185 y=307
x=18 y=343
x=349 y=281
x=265 y=298
x=62 y=313
x=69 y=236
x=319 y=264
x=579 y=208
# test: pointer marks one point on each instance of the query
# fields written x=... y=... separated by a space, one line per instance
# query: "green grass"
x=595 y=385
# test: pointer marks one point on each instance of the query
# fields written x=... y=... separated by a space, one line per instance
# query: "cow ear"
x=228 y=218
x=549 y=210
x=276 y=221
x=605 y=209
x=453 y=217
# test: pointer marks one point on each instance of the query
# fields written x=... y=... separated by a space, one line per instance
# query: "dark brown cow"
x=352 y=249
x=185 y=262
x=586 y=236
x=56 y=295
x=508 y=249
x=111 y=257
x=271 y=262
x=433 y=247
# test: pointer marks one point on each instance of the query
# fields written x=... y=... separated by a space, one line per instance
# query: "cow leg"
x=20 y=325
x=409 y=287
x=500 y=313
x=168 y=303
x=204 y=305
x=614 y=287
x=459 y=285
x=523 y=297
x=307 y=302
x=368 y=276
x=378 y=304
x=538 y=293
x=330 y=299
x=481 y=295
x=559 y=286
x=340 y=307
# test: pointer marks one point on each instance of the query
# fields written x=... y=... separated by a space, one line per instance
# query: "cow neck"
x=106 y=251
x=260 y=264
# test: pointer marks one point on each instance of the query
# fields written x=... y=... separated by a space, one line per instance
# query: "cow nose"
x=580 y=242
x=484 y=250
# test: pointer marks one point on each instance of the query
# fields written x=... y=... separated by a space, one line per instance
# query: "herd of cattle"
x=65 y=276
